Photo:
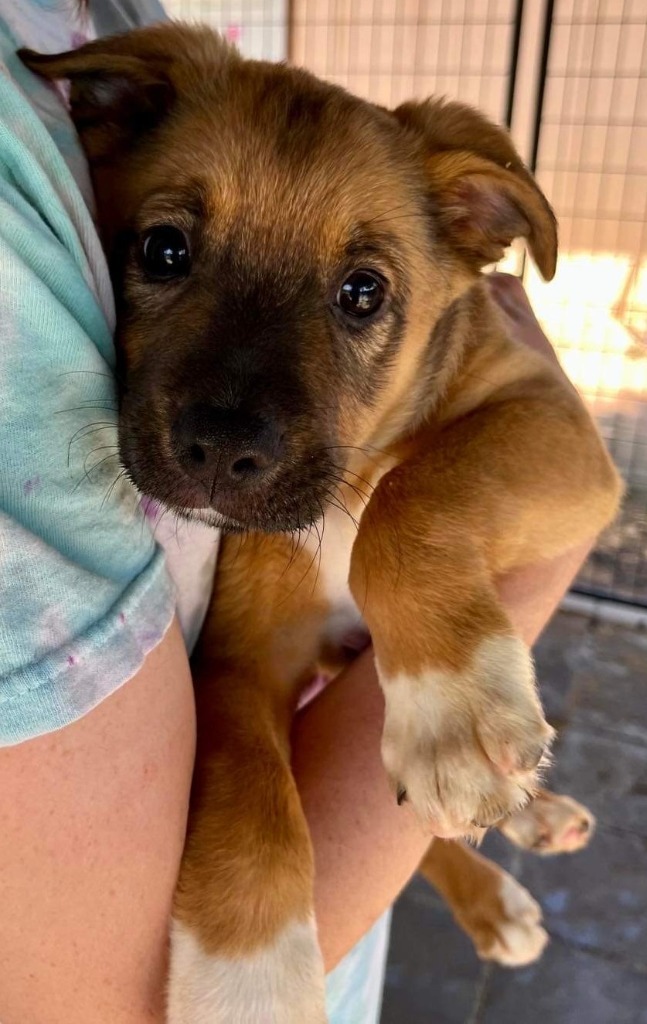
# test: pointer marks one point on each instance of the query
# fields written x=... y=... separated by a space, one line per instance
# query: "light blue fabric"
x=354 y=988
x=84 y=592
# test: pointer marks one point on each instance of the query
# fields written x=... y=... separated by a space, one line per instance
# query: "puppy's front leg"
x=516 y=481
x=463 y=730
x=244 y=946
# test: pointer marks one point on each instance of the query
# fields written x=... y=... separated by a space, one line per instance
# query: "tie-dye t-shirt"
x=90 y=573
x=85 y=591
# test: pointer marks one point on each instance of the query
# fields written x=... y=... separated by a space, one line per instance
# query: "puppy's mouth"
x=290 y=506
x=253 y=478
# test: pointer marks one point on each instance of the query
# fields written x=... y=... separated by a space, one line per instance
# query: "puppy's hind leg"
x=550 y=824
x=493 y=909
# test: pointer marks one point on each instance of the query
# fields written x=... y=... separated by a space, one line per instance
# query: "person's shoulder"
x=83 y=584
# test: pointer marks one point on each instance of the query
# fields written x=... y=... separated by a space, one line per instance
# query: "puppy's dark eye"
x=165 y=253
x=361 y=294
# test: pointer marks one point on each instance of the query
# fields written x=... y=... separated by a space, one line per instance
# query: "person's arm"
x=92 y=822
x=92 y=812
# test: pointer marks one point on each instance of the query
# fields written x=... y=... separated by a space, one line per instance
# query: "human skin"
x=92 y=819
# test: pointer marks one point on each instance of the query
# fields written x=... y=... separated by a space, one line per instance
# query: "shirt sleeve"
x=84 y=592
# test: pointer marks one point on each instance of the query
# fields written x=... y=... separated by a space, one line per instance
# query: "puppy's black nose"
x=226 y=447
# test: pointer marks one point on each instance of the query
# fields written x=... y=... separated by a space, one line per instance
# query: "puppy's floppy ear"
x=116 y=93
x=482 y=194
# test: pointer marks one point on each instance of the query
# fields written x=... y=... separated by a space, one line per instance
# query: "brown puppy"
x=304 y=340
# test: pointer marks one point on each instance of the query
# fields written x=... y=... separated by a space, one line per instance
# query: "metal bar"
x=541 y=85
x=514 y=62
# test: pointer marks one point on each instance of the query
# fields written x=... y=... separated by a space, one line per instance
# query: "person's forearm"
x=530 y=596
x=366 y=847
x=92 y=822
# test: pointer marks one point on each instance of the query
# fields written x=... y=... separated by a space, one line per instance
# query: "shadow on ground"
x=594 y=684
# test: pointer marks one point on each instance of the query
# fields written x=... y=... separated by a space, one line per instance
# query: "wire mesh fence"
x=392 y=51
x=571 y=77
x=592 y=162
x=259 y=28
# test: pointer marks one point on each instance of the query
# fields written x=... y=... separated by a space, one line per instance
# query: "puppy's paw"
x=550 y=824
x=278 y=984
x=465 y=749
x=505 y=924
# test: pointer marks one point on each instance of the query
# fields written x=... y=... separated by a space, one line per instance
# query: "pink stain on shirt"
x=31 y=486
x=149 y=507
x=78 y=39
x=149 y=637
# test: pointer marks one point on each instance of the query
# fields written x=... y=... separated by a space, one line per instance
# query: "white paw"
x=464 y=749
x=551 y=824
x=279 y=984
x=507 y=928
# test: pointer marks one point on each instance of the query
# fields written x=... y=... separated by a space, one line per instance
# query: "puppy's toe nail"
x=401 y=794
x=533 y=757
x=541 y=842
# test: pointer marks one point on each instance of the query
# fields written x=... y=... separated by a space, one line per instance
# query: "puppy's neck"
x=461 y=327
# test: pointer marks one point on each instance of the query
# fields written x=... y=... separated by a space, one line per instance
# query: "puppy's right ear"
x=115 y=95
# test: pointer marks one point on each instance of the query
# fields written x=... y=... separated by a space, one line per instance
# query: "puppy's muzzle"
x=227 y=449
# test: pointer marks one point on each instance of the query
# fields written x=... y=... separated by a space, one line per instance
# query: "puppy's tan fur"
x=461 y=455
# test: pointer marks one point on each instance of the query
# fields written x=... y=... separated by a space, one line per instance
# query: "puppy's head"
x=282 y=253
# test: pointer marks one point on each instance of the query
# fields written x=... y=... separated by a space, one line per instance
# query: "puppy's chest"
x=343 y=631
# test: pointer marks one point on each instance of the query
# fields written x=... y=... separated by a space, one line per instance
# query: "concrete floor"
x=618 y=566
x=594 y=683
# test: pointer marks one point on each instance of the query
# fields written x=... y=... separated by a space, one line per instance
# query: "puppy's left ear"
x=482 y=194
x=116 y=95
